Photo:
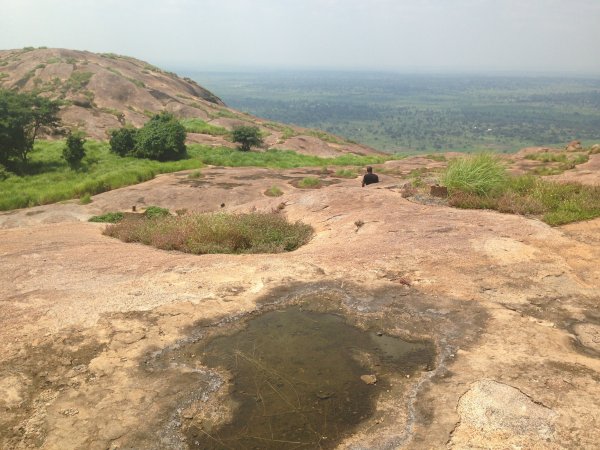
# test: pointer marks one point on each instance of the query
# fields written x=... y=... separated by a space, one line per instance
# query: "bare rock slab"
x=496 y=415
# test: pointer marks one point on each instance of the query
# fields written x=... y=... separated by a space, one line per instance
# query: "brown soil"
x=510 y=302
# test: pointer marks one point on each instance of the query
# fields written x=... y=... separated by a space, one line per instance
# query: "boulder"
x=574 y=146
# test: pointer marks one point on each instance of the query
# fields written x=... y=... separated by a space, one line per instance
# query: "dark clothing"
x=370 y=178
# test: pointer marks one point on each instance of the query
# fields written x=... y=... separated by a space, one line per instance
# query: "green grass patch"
x=325 y=136
x=227 y=114
x=138 y=83
x=273 y=191
x=565 y=161
x=153 y=212
x=195 y=175
x=554 y=203
x=50 y=179
x=78 y=81
x=110 y=217
x=288 y=132
x=215 y=233
x=309 y=183
x=547 y=157
x=85 y=199
x=480 y=174
x=202 y=127
x=280 y=159
x=346 y=173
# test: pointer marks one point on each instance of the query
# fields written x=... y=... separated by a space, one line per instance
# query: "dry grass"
x=215 y=233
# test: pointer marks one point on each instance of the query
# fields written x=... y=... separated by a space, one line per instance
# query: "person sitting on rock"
x=369 y=177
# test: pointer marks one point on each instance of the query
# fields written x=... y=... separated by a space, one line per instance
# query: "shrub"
x=73 y=151
x=122 y=141
x=247 y=137
x=309 y=182
x=162 y=138
x=215 y=233
x=481 y=174
x=110 y=217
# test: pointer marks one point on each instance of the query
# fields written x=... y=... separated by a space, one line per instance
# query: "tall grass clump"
x=482 y=174
x=215 y=233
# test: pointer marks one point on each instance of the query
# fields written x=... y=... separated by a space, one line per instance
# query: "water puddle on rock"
x=300 y=379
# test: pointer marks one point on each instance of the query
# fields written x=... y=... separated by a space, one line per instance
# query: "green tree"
x=122 y=141
x=74 y=152
x=247 y=137
x=161 y=138
x=21 y=117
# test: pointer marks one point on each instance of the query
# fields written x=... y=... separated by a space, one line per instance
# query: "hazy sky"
x=405 y=35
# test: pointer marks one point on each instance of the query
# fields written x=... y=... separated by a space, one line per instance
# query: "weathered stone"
x=492 y=412
x=574 y=146
x=368 y=379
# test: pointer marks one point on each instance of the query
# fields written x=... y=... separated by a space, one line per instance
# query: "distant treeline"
x=421 y=112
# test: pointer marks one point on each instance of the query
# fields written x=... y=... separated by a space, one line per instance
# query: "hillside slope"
x=106 y=91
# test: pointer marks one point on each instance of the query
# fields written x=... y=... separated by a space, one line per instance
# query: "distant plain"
x=420 y=113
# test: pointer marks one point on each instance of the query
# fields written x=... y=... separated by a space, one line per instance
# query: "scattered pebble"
x=369 y=379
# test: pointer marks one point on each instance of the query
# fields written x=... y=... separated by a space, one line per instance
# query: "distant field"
x=396 y=113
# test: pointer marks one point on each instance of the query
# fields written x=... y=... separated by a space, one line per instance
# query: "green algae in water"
x=295 y=380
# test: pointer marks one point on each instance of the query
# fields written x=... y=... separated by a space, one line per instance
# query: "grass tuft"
x=346 y=173
x=215 y=233
x=274 y=191
x=85 y=199
x=309 y=183
x=481 y=174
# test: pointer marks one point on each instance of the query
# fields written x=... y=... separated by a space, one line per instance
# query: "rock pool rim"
x=295 y=379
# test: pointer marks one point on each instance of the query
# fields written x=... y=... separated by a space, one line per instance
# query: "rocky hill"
x=106 y=91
